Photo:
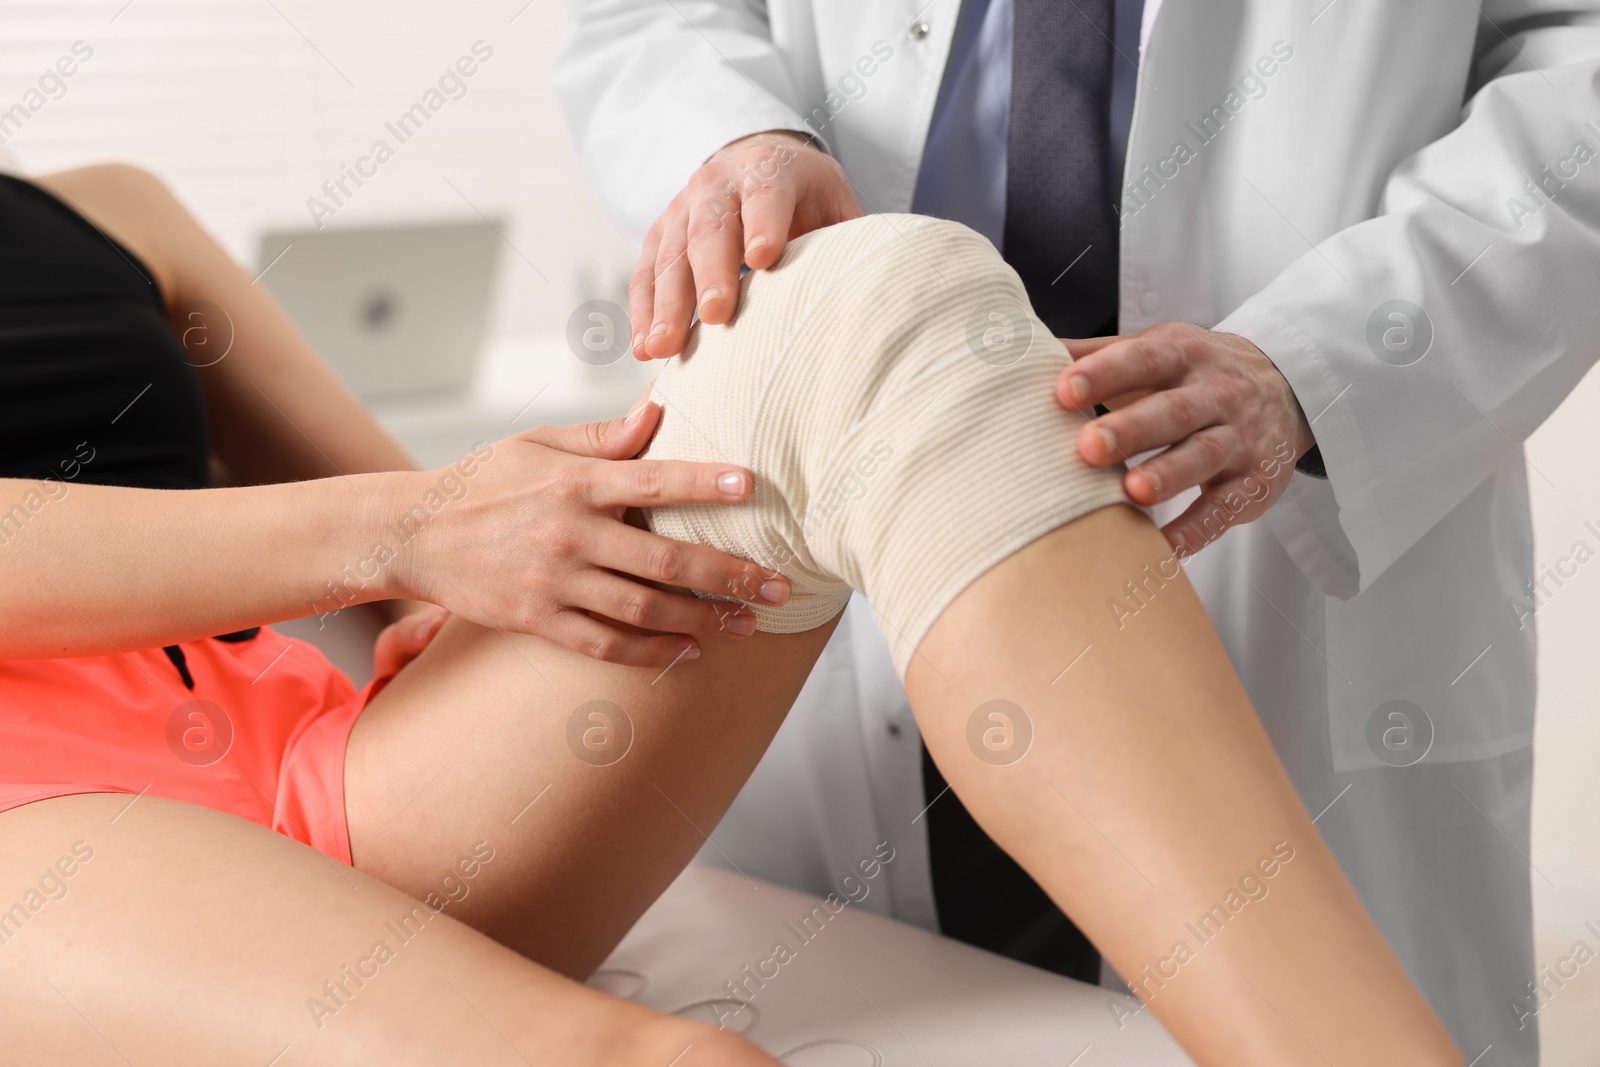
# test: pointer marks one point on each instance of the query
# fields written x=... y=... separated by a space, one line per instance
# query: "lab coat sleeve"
x=1494 y=232
x=651 y=88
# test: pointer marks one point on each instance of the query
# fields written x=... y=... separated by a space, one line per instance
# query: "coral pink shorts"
x=260 y=734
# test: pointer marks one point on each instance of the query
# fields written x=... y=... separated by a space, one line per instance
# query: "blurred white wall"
x=247 y=106
x=1566 y=802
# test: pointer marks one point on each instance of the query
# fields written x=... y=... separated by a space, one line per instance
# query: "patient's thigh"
x=180 y=936
x=588 y=785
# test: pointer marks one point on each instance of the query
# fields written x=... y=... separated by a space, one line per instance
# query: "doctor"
x=1382 y=219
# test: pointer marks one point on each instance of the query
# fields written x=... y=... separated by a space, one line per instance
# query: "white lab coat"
x=1348 y=177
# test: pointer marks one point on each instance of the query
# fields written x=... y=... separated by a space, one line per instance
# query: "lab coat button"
x=919 y=30
x=1149 y=303
x=894 y=729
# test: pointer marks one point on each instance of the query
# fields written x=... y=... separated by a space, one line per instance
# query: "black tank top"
x=94 y=385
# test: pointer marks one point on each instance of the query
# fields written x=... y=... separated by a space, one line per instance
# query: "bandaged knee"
x=892 y=391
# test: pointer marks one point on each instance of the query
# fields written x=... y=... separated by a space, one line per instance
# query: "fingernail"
x=635 y=415
x=741 y=625
x=706 y=297
x=658 y=328
x=731 y=482
x=428 y=624
x=638 y=341
x=1151 y=477
x=1109 y=438
x=1078 y=386
x=775 y=592
x=758 y=241
x=692 y=652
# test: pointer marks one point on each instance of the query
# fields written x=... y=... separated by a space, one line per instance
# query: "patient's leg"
x=593 y=783
x=1149 y=796
x=184 y=937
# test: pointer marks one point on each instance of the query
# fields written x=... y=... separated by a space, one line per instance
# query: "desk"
x=864 y=991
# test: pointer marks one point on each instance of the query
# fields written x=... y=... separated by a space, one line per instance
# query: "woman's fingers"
x=610 y=485
x=404 y=639
x=618 y=482
x=562 y=495
x=590 y=637
x=661 y=611
x=705 y=570
x=649 y=483
x=613 y=439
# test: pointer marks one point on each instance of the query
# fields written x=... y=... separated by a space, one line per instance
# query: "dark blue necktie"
x=1061 y=229
x=1061 y=237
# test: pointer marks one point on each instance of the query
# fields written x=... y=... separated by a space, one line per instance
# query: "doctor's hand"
x=744 y=204
x=1227 y=418
x=530 y=535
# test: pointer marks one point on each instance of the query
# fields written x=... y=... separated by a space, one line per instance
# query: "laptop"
x=398 y=311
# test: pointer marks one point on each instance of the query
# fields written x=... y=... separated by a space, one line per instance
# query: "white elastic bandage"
x=892 y=391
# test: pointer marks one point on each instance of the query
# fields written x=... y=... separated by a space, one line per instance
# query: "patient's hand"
x=529 y=535
x=403 y=640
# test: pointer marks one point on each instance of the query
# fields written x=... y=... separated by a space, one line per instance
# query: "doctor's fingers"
x=1122 y=365
x=1078 y=347
x=1196 y=460
x=642 y=288
x=1163 y=418
x=716 y=241
x=1221 y=506
x=640 y=553
x=768 y=210
x=673 y=286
